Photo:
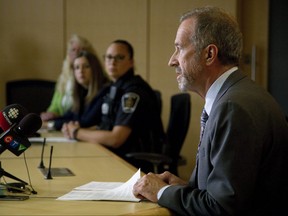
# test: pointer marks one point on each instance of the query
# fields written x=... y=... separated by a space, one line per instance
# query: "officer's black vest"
x=111 y=104
x=113 y=99
x=108 y=109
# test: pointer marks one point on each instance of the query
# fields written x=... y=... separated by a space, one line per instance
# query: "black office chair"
x=33 y=94
x=177 y=129
x=159 y=100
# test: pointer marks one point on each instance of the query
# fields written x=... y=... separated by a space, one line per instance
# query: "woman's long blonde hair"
x=66 y=75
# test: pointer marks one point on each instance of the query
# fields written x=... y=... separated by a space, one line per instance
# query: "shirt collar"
x=214 y=89
x=123 y=79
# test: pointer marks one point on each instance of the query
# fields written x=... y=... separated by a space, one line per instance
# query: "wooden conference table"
x=88 y=162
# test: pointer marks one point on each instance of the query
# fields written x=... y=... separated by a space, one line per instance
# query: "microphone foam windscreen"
x=11 y=114
x=30 y=124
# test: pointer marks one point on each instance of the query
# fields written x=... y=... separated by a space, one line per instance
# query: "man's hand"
x=171 y=179
x=148 y=187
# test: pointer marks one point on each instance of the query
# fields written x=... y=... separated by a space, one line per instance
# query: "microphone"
x=10 y=115
x=15 y=139
x=49 y=175
x=41 y=165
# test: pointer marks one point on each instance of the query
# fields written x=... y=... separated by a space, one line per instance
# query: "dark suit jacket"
x=243 y=157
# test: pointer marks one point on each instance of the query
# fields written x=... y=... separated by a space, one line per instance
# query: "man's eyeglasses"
x=117 y=58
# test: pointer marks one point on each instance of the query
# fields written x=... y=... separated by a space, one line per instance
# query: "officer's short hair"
x=128 y=45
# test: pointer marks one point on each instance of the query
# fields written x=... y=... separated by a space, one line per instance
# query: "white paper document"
x=117 y=191
x=50 y=139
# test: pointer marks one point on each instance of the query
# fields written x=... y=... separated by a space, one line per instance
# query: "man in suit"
x=242 y=159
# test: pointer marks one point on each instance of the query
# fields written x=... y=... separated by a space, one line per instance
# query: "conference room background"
x=34 y=33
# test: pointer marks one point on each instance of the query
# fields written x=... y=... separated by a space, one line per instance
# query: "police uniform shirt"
x=131 y=102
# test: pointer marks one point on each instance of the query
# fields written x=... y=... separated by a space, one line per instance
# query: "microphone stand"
x=41 y=165
x=12 y=197
x=49 y=175
x=4 y=173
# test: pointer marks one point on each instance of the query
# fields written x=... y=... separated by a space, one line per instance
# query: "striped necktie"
x=203 y=120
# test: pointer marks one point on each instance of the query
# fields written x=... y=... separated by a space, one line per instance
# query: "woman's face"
x=117 y=61
x=74 y=50
x=82 y=71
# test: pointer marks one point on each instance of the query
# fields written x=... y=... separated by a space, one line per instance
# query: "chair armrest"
x=182 y=161
x=153 y=158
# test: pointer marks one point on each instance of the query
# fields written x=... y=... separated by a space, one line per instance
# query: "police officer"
x=130 y=118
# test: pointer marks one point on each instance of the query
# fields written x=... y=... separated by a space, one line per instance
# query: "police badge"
x=129 y=102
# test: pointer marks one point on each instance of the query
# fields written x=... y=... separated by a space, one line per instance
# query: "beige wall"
x=253 y=16
x=33 y=36
x=31 y=40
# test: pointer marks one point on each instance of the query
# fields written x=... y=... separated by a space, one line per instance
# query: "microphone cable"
x=28 y=173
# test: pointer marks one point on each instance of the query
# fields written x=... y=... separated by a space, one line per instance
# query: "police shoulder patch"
x=129 y=102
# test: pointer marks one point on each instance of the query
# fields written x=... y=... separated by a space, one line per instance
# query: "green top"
x=59 y=104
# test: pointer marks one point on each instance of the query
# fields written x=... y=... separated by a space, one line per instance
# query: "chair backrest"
x=33 y=94
x=159 y=100
x=178 y=125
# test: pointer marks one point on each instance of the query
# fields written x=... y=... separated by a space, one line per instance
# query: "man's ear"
x=211 y=53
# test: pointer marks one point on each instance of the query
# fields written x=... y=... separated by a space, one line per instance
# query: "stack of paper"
x=50 y=139
x=104 y=191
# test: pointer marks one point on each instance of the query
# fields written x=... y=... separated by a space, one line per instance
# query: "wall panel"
x=31 y=40
x=103 y=21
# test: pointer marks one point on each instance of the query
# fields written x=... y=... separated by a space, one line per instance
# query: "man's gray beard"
x=183 y=84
